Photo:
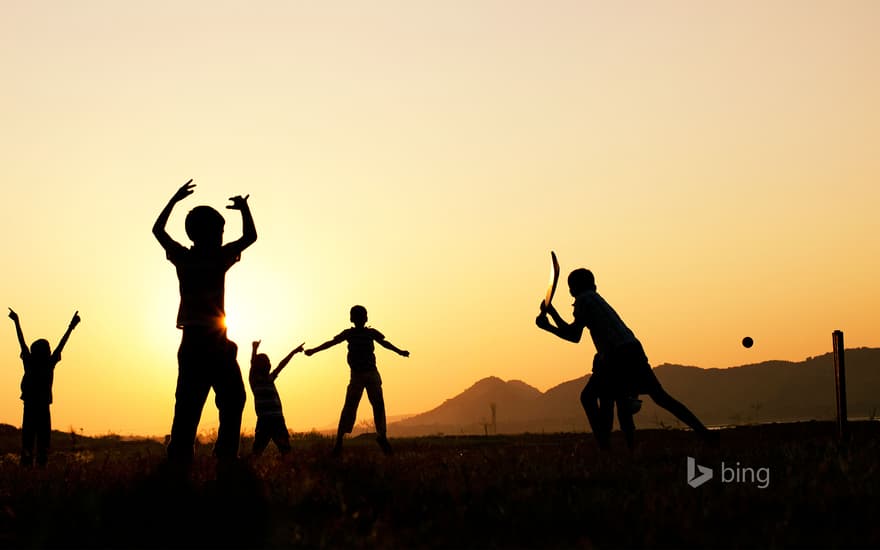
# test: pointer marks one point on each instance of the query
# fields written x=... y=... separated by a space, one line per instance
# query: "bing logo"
x=698 y=475
x=693 y=479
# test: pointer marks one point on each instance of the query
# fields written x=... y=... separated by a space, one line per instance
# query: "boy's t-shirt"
x=607 y=329
x=267 y=402
x=361 y=351
x=36 y=384
x=202 y=277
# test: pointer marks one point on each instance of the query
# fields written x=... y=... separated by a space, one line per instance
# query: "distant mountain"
x=10 y=442
x=773 y=391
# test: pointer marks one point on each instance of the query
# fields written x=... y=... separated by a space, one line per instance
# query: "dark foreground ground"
x=527 y=491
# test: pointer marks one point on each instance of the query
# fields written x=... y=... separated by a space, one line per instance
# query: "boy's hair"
x=40 y=348
x=261 y=362
x=204 y=224
x=581 y=279
x=358 y=313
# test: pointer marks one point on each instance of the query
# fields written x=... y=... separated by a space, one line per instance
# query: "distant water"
x=791 y=420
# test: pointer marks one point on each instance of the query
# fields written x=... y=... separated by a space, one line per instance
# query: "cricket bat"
x=554 y=279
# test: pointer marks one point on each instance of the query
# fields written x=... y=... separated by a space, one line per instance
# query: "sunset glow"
x=714 y=163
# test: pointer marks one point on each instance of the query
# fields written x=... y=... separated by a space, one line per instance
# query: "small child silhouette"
x=270 y=416
x=36 y=391
x=364 y=375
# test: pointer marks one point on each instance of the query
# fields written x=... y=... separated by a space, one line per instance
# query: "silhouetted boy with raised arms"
x=364 y=375
x=36 y=391
x=621 y=368
x=206 y=358
x=267 y=402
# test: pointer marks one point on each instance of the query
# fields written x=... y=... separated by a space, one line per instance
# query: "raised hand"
x=75 y=320
x=238 y=202
x=185 y=190
x=256 y=344
x=13 y=315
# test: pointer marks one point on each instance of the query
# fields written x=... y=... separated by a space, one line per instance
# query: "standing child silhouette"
x=267 y=402
x=36 y=391
x=364 y=375
x=206 y=357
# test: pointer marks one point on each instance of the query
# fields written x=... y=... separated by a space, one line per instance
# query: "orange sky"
x=714 y=163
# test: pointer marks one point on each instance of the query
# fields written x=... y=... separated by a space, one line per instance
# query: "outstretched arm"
x=567 y=331
x=159 y=226
x=329 y=343
x=14 y=316
x=249 y=230
x=286 y=360
x=388 y=345
x=73 y=322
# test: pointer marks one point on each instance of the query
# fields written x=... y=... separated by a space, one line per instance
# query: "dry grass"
x=527 y=491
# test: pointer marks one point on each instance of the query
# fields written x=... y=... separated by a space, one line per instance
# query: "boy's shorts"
x=626 y=371
x=363 y=380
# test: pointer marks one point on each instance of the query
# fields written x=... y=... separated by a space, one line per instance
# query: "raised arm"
x=286 y=360
x=329 y=343
x=14 y=316
x=255 y=345
x=159 y=226
x=73 y=322
x=388 y=345
x=567 y=331
x=248 y=229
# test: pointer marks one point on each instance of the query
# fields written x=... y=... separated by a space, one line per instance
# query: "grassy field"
x=525 y=491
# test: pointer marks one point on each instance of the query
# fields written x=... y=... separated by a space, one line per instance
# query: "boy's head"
x=358 y=315
x=204 y=226
x=581 y=280
x=260 y=364
x=40 y=349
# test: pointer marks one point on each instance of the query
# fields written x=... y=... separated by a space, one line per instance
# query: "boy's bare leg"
x=678 y=409
x=625 y=419
x=377 y=400
x=44 y=433
x=597 y=415
x=684 y=414
x=353 y=394
x=261 y=438
x=337 y=447
x=188 y=404
x=28 y=435
x=282 y=437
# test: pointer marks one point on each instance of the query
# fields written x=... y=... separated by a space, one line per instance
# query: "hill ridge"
x=767 y=391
